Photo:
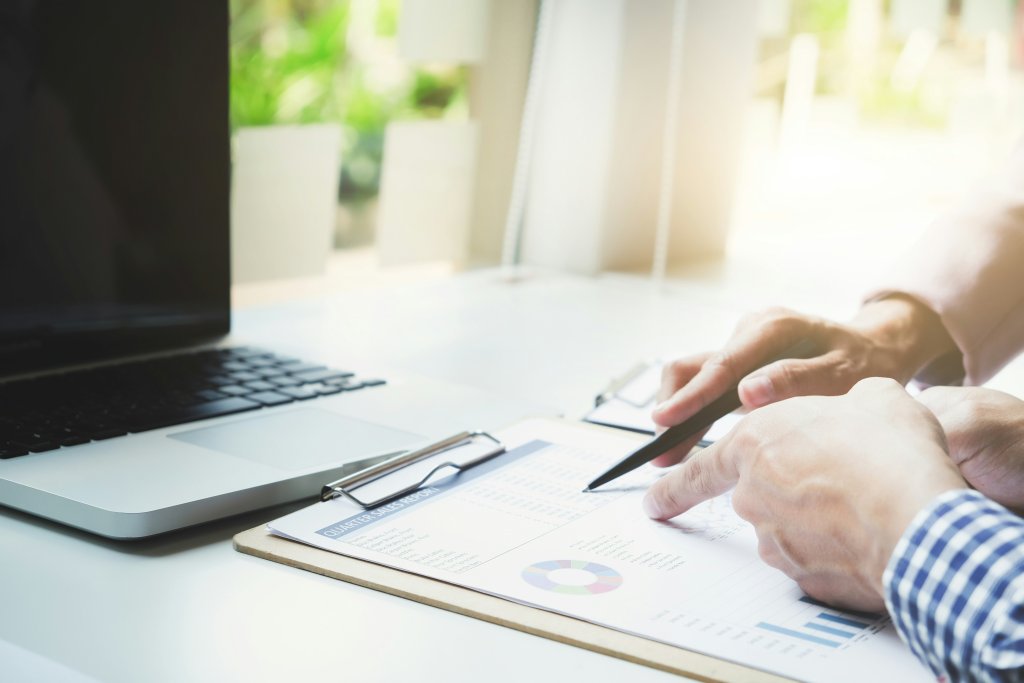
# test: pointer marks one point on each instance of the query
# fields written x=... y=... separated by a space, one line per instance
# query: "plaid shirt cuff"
x=955 y=588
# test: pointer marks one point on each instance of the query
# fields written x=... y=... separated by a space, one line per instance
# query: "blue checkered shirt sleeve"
x=955 y=588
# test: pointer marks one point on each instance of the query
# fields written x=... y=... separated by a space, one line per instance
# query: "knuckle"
x=878 y=384
x=786 y=377
x=766 y=317
x=768 y=551
x=699 y=478
x=723 y=364
x=754 y=425
x=791 y=550
x=744 y=505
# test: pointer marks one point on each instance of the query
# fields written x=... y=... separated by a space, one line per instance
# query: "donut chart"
x=544 y=575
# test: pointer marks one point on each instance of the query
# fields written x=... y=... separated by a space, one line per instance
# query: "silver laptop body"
x=114 y=226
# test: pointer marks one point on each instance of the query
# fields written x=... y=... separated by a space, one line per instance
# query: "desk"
x=186 y=607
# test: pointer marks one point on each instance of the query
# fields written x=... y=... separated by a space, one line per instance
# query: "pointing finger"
x=708 y=473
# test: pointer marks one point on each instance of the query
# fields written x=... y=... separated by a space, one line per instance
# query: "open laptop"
x=120 y=411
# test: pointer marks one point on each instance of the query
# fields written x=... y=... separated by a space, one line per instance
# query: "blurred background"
x=805 y=133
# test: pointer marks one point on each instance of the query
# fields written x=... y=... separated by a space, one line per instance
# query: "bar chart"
x=824 y=626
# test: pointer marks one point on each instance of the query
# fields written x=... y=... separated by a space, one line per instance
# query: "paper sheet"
x=518 y=527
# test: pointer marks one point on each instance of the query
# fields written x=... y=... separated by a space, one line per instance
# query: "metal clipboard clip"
x=348 y=485
x=617 y=388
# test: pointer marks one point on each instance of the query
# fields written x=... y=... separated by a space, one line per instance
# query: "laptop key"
x=203 y=411
x=301 y=393
x=320 y=375
x=235 y=390
x=270 y=398
x=244 y=376
x=8 y=452
x=260 y=385
x=104 y=434
x=295 y=368
x=37 y=446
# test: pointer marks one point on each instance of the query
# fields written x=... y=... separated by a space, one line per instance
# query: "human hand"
x=829 y=483
x=985 y=433
x=894 y=337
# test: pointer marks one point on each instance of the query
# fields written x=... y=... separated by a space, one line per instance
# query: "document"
x=519 y=527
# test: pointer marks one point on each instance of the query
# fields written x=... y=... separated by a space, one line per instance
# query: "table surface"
x=186 y=606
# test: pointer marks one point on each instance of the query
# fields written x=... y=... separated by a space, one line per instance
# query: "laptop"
x=122 y=411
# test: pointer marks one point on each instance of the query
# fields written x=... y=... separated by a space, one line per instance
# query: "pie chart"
x=572 y=577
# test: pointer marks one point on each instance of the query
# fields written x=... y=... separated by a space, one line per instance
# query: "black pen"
x=702 y=419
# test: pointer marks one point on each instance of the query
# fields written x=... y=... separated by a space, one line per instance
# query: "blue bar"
x=869 y=616
x=797 y=634
x=811 y=601
x=829 y=629
x=843 y=620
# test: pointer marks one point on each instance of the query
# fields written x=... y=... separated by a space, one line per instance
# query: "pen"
x=702 y=419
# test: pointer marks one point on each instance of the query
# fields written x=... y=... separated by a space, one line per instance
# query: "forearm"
x=966 y=268
x=955 y=589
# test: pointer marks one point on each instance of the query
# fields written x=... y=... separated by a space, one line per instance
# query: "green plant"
x=285 y=72
x=291 y=63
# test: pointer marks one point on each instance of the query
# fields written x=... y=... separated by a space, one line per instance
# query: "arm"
x=955 y=588
x=955 y=308
x=967 y=268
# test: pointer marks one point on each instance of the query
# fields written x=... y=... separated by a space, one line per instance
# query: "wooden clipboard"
x=260 y=543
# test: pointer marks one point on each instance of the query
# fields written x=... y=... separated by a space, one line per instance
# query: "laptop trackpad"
x=300 y=439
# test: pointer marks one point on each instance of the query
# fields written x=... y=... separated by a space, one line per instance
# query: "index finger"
x=745 y=353
x=706 y=474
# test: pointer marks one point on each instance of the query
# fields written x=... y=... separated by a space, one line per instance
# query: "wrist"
x=907 y=335
x=904 y=514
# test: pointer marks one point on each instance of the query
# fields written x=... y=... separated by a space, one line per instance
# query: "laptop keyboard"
x=47 y=413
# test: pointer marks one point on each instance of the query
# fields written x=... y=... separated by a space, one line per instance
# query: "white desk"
x=186 y=607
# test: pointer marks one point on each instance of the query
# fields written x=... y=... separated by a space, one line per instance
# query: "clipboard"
x=627 y=402
x=259 y=542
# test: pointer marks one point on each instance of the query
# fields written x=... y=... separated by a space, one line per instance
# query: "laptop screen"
x=114 y=177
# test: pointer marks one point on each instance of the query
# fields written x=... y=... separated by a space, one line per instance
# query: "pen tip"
x=587 y=490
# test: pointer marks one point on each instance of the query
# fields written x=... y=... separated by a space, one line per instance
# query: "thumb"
x=820 y=376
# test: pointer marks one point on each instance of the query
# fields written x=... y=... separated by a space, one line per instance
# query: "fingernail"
x=651 y=508
x=759 y=389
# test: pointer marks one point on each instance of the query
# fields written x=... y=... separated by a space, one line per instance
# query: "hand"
x=985 y=432
x=894 y=337
x=830 y=484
